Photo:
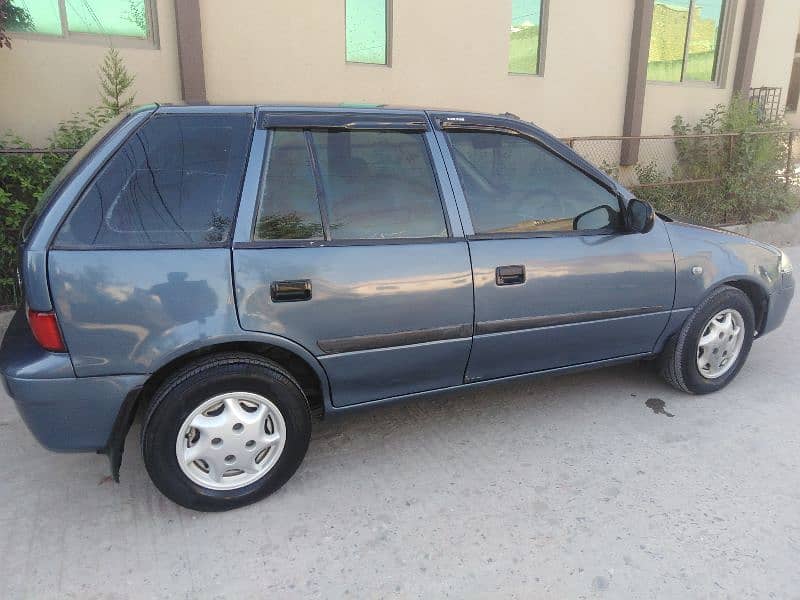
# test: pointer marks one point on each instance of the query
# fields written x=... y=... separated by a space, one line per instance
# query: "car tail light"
x=45 y=329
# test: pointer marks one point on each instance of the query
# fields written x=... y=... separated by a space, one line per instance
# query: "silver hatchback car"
x=232 y=270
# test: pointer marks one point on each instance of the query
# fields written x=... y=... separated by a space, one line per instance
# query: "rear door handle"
x=294 y=290
x=509 y=275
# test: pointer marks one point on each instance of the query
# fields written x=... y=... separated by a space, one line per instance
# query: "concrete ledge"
x=779 y=233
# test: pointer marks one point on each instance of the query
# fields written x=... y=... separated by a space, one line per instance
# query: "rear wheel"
x=225 y=431
x=713 y=344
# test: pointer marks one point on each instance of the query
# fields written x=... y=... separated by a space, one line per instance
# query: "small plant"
x=115 y=85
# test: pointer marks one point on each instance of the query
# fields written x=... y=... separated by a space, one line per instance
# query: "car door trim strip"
x=399 y=338
x=505 y=325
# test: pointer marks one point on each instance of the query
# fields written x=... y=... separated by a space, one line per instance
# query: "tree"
x=115 y=84
x=12 y=18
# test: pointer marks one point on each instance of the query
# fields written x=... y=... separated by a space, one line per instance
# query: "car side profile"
x=229 y=271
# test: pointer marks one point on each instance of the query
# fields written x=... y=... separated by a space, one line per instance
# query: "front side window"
x=525 y=37
x=685 y=40
x=371 y=185
x=366 y=31
x=118 y=18
x=514 y=185
x=176 y=181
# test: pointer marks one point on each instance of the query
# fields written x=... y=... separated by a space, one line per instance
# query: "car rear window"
x=176 y=181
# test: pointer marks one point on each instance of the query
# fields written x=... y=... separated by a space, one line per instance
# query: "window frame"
x=375 y=122
x=724 y=42
x=387 y=32
x=447 y=124
x=544 y=14
x=119 y=41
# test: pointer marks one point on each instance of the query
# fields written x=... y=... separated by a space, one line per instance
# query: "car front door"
x=345 y=245
x=558 y=280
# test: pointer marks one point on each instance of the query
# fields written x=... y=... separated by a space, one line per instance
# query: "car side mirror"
x=599 y=217
x=640 y=216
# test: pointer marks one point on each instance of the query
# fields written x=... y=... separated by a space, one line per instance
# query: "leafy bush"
x=24 y=177
x=745 y=168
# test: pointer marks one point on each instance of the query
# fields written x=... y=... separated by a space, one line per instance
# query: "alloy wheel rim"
x=230 y=440
x=720 y=343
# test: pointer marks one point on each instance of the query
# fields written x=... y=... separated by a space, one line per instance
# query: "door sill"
x=598 y=364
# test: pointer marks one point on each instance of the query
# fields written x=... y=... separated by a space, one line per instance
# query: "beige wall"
x=45 y=80
x=444 y=54
x=448 y=53
x=775 y=52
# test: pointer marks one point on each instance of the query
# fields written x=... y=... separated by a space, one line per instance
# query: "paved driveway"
x=575 y=486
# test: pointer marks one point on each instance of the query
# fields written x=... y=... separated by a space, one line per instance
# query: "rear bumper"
x=64 y=412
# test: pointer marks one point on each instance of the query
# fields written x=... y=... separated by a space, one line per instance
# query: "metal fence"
x=661 y=157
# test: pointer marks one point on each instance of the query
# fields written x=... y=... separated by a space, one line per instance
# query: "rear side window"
x=288 y=207
x=371 y=185
x=176 y=181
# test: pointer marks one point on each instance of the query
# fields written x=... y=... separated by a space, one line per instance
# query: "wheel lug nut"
x=216 y=442
x=230 y=459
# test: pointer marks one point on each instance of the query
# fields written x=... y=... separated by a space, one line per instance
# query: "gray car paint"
x=119 y=331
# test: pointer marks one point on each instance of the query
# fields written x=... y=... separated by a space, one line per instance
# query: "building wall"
x=449 y=53
x=775 y=52
x=46 y=80
x=443 y=54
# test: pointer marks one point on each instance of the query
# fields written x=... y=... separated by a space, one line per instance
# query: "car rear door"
x=552 y=288
x=348 y=244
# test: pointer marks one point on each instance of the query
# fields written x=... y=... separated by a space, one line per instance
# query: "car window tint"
x=288 y=208
x=175 y=181
x=378 y=185
x=514 y=185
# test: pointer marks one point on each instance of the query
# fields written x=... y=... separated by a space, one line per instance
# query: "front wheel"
x=713 y=344
x=225 y=431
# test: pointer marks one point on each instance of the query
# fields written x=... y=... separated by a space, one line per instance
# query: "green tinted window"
x=102 y=17
x=37 y=16
x=108 y=17
x=365 y=31
x=684 y=48
x=701 y=60
x=524 y=36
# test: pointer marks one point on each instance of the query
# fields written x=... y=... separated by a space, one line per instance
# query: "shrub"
x=745 y=168
x=24 y=177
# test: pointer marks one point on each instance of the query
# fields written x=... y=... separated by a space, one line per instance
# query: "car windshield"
x=66 y=171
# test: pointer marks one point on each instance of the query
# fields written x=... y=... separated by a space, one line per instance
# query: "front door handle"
x=509 y=275
x=295 y=290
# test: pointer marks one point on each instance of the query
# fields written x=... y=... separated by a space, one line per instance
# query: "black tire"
x=678 y=361
x=184 y=391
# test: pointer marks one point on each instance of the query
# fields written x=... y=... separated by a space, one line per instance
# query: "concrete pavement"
x=604 y=484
